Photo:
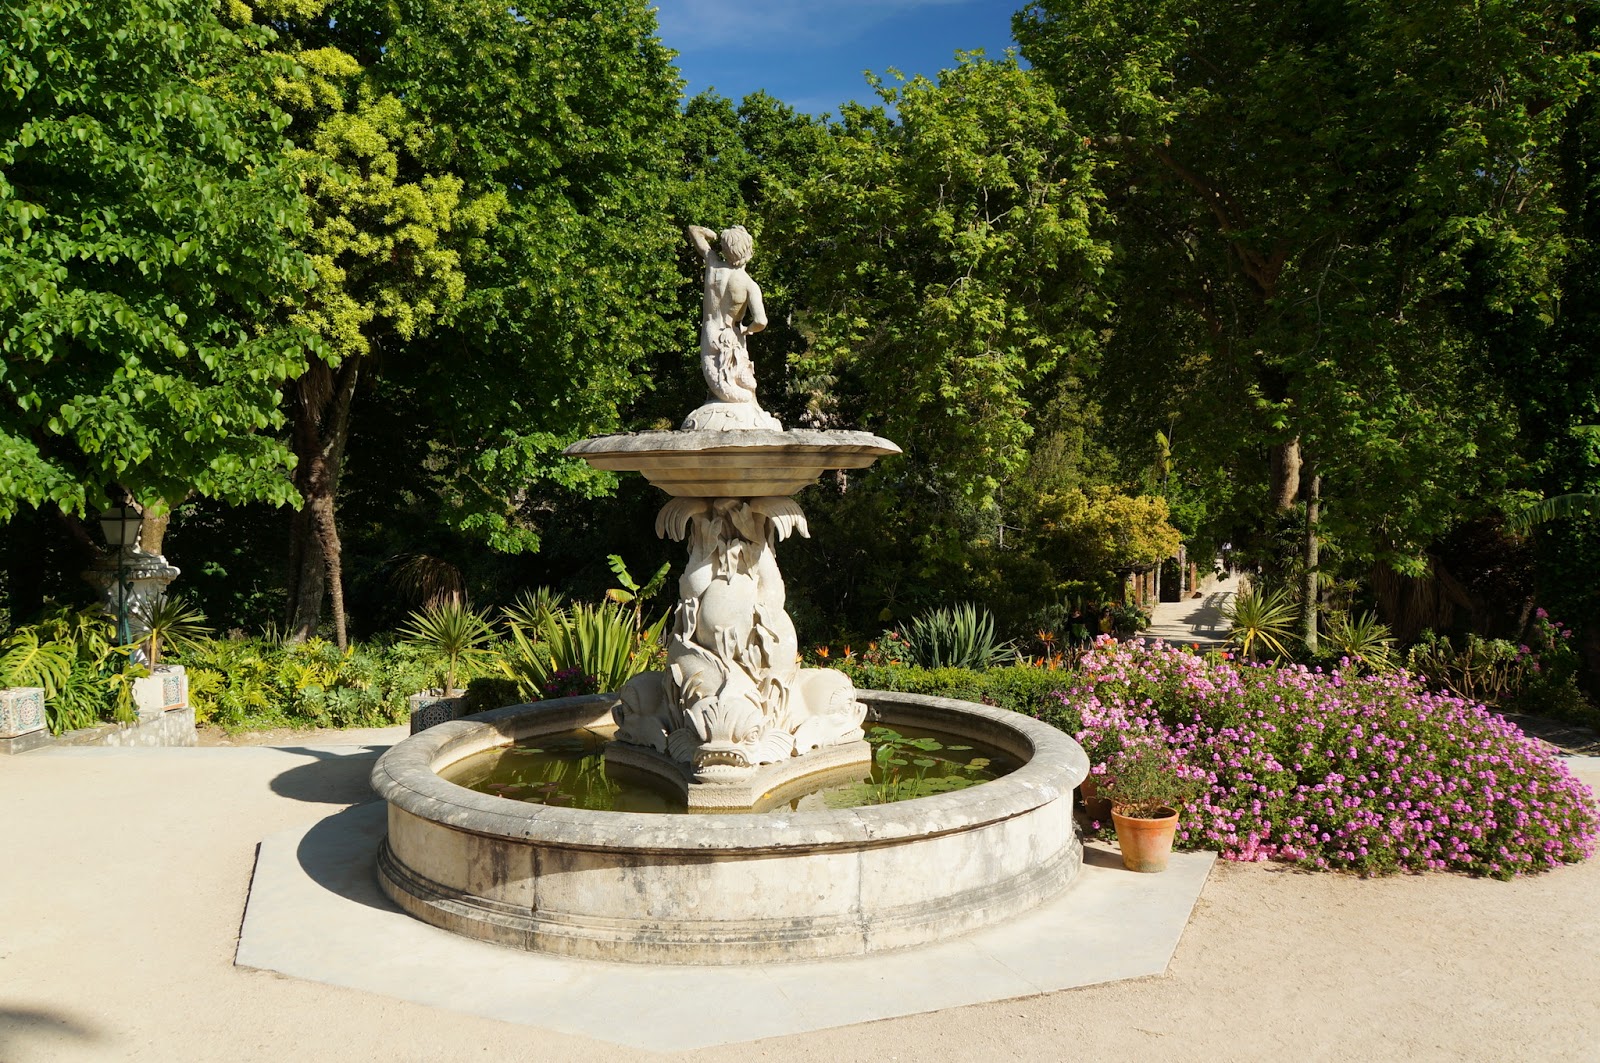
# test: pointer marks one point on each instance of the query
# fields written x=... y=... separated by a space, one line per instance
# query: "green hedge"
x=1030 y=691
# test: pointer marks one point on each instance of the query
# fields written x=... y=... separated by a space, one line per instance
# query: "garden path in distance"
x=1191 y=621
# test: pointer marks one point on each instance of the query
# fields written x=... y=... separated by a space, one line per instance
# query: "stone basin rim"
x=799 y=440
x=406 y=777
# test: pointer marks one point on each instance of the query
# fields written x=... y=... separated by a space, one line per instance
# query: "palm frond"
x=1561 y=507
x=454 y=637
x=1364 y=638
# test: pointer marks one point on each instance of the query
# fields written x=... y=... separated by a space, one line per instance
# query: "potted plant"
x=1146 y=789
x=454 y=640
x=172 y=623
x=31 y=669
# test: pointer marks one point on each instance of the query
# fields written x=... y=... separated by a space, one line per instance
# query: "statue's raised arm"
x=731 y=311
x=702 y=238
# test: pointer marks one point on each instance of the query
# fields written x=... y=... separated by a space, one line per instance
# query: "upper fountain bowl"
x=752 y=463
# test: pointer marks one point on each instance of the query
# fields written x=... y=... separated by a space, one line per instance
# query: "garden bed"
x=1336 y=770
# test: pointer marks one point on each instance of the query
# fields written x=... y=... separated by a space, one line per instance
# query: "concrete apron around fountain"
x=720 y=889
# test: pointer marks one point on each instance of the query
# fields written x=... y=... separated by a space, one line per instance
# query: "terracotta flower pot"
x=1146 y=842
x=1091 y=805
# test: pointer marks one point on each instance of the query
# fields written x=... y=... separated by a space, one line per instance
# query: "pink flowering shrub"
x=1370 y=774
x=569 y=682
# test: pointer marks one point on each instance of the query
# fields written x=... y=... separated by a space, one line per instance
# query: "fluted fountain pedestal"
x=734 y=717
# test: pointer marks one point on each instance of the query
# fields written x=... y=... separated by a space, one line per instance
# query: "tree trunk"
x=1285 y=489
x=153 y=531
x=1309 y=588
x=307 y=576
x=321 y=410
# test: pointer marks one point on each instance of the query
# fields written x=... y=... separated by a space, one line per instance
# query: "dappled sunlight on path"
x=1196 y=620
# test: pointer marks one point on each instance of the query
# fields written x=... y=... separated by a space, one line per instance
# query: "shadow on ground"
x=40 y=1029
x=329 y=778
x=340 y=854
x=1098 y=856
x=1570 y=738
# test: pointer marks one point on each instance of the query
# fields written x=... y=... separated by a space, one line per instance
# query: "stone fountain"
x=732 y=718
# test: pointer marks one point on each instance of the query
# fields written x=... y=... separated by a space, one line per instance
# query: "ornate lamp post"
x=121 y=526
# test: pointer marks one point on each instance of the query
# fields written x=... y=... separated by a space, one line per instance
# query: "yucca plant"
x=1362 y=638
x=453 y=637
x=959 y=637
x=1259 y=619
x=531 y=607
x=174 y=623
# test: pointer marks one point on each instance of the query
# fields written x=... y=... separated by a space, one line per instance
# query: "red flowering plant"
x=568 y=683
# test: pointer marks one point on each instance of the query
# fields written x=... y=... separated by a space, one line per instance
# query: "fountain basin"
x=719 y=889
x=752 y=463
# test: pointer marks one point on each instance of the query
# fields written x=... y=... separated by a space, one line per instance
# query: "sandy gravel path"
x=125 y=874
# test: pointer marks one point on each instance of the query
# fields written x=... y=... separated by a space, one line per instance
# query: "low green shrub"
x=1537 y=677
x=493 y=692
x=1020 y=688
x=253 y=684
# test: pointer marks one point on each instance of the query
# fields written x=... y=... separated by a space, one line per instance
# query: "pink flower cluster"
x=1370 y=774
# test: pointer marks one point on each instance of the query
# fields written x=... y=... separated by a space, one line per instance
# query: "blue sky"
x=810 y=53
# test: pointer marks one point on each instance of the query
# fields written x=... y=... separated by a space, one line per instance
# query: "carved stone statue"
x=731 y=312
x=734 y=696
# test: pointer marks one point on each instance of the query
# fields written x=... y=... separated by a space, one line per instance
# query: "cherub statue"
x=731 y=311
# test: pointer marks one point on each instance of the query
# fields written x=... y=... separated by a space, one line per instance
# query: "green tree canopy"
x=951 y=268
x=945 y=275
x=1311 y=201
x=147 y=212
x=487 y=185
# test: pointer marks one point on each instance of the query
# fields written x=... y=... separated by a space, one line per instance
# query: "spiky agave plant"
x=1259 y=619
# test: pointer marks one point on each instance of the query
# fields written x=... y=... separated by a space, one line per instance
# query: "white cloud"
x=703 y=25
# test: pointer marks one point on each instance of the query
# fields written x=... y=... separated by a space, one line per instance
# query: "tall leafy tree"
x=948 y=285
x=1305 y=196
x=1549 y=362
x=564 y=112
x=147 y=218
x=486 y=184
